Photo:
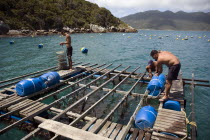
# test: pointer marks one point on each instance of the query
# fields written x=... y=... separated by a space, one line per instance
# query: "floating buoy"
x=156 y=85
x=172 y=105
x=40 y=45
x=209 y=40
x=11 y=42
x=146 y=117
x=84 y=50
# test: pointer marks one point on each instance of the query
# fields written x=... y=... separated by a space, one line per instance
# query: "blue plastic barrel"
x=146 y=117
x=50 y=78
x=29 y=86
x=156 y=85
x=173 y=105
x=84 y=50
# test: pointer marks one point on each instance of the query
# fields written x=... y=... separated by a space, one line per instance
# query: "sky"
x=121 y=8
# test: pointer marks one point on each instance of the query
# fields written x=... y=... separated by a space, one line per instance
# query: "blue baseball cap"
x=150 y=62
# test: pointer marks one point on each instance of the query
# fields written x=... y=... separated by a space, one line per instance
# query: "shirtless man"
x=173 y=63
x=69 y=48
x=151 y=67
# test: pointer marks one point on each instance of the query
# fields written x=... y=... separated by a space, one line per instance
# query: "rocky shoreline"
x=92 y=29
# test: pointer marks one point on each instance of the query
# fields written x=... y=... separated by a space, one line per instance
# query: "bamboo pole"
x=193 y=127
x=5 y=85
x=40 y=99
x=128 y=126
x=118 y=105
x=196 y=84
x=99 y=101
x=198 y=80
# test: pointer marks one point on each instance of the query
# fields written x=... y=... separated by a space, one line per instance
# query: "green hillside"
x=55 y=14
x=169 y=21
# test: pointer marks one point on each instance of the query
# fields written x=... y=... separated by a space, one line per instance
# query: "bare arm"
x=159 y=69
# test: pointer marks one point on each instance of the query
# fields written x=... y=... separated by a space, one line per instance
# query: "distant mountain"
x=169 y=21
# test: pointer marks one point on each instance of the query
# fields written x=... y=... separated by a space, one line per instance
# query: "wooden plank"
x=119 y=136
x=98 y=122
x=163 y=136
x=171 y=121
x=8 y=100
x=11 y=90
x=104 y=128
x=110 y=130
x=134 y=134
x=165 y=119
x=171 y=111
x=33 y=108
x=170 y=127
x=116 y=131
x=69 y=131
x=21 y=104
x=28 y=108
x=38 y=109
x=89 y=124
x=141 y=135
x=170 y=116
x=170 y=131
x=175 y=124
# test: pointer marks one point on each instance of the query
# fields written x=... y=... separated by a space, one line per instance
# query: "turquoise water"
x=128 y=49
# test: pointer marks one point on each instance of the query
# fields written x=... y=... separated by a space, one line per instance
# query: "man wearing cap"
x=151 y=67
x=173 y=64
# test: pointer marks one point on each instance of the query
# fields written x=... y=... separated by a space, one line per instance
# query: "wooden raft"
x=171 y=121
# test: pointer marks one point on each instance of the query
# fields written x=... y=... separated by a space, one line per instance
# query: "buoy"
x=209 y=40
x=29 y=86
x=40 y=45
x=84 y=50
x=50 y=78
x=146 y=117
x=156 y=85
x=11 y=42
x=172 y=105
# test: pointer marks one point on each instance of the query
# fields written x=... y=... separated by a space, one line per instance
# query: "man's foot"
x=71 y=70
x=165 y=98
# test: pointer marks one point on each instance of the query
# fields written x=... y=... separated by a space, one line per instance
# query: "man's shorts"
x=173 y=72
x=69 y=51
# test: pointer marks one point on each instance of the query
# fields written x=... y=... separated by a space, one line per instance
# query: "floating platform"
x=92 y=104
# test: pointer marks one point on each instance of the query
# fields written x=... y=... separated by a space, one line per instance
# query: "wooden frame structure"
x=82 y=88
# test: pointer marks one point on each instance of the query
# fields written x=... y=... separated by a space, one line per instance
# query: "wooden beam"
x=69 y=131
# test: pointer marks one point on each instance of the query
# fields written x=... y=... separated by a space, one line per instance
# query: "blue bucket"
x=50 y=78
x=173 y=105
x=29 y=86
x=156 y=85
x=146 y=117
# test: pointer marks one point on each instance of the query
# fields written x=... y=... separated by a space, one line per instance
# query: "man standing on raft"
x=173 y=63
x=69 y=48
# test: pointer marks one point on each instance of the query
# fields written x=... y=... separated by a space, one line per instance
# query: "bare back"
x=68 y=41
x=167 y=58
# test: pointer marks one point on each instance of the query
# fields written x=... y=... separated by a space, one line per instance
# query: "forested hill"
x=169 y=21
x=54 y=14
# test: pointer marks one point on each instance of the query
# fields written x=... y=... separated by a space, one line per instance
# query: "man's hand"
x=61 y=43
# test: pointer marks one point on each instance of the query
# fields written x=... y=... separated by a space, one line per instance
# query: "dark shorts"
x=69 y=51
x=173 y=72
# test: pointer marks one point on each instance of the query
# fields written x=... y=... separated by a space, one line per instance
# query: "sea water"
x=128 y=49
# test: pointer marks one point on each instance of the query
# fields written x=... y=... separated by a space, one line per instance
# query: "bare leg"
x=167 y=90
x=70 y=62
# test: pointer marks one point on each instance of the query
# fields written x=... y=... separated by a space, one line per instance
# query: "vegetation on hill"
x=55 y=14
x=169 y=21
